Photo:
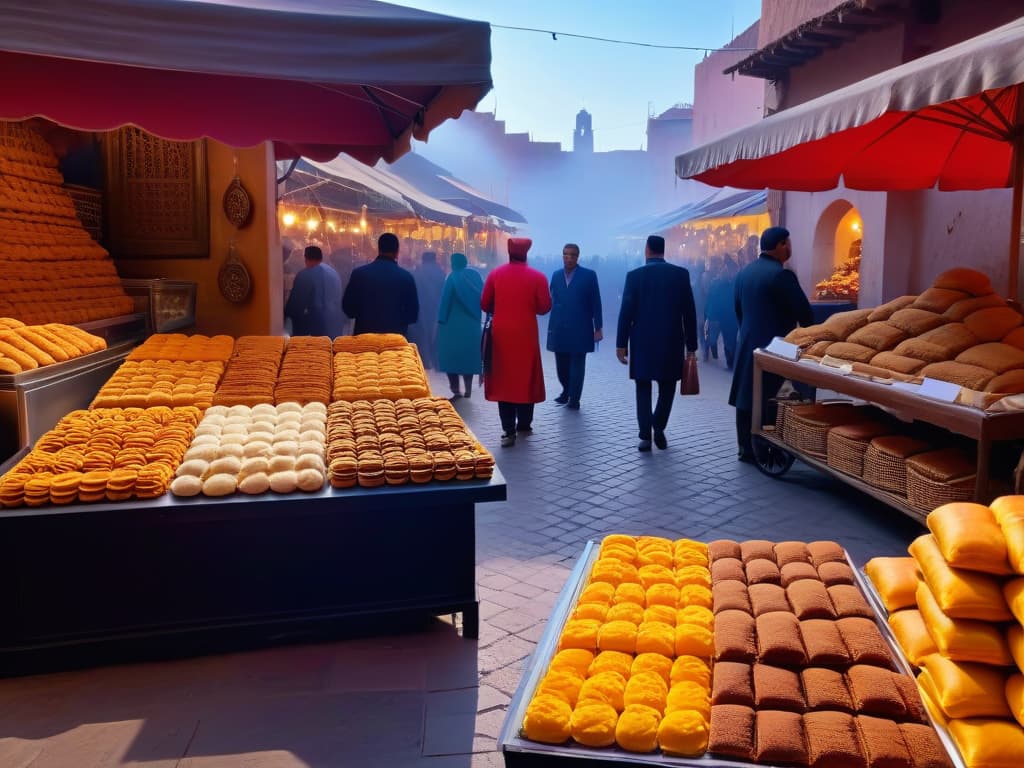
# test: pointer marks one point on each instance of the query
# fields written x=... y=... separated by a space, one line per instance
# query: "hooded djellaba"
x=458 y=318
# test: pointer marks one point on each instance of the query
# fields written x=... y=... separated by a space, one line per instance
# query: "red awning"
x=949 y=119
x=314 y=76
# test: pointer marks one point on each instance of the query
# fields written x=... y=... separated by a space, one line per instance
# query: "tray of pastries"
x=251 y=374
x=178 y=346
x=145 y=383
x=389 y=374
x=29 y=347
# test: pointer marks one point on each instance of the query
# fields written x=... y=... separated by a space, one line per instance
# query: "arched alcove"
x=836 y=251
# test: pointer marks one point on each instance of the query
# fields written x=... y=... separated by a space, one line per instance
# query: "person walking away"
x=721 y=311
x=515 y=295
x=314 y=305
x=458 y=329
x=381 y=296
x=575 y=323
x=429 y=279
x=769 y=302
x=657 y=328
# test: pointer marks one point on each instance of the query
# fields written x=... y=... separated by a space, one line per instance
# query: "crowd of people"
x=667 y=313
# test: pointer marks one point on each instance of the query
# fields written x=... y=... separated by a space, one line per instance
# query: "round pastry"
x=684 y=733
x=693 y=594
x=547 y=720
x=690 y=669
x=684 y=557
x=696 y=614
x=597 y=611
x=236 y=450
x=646 y=688
x=207 y=429
x=289 y=408
x=286 y=448
x=611 y=661
x=253 y=465
x=229 y=465
x=311 y=448
x=310 y=461
x=625 y=612
x=661 y=612
x=637 y=728
x=203 y=452
x=610 y=571
x=309 y=480
x=213 y=440
x=256 y=448
x=289 y=420
x=688 y=695
x=187 y=485
x=193 y=468
x=281 y=464
x=308 y=431
x=597 y=592
x=652 y=662
x=286 y=433
x=663 y=594
x=219 y=485
x=694 y=640
x=284 y=482
x=697 y=575
x=617 y=636
x=258 y=482
x=579 y=633
x=563 y=683
x=593 y=724
x=217 y=410
x=315 y=407
x=263 y=427
x=261 y=435
x=239 y=427
x=239 y=410
x=631 y=593
x=264 y=409
x=656 y=574
x=232 y=440
x=618 y=539
x=619 y=552
x=573 y=658
x=606 y=687
x=654 y=556
x=656 y=637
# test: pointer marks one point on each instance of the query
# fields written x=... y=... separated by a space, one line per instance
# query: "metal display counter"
x=974 y=423
x=520 y=752
x=90 y=583
x=32 y=402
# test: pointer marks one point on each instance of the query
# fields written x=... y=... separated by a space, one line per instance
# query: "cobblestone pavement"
x=430 y=698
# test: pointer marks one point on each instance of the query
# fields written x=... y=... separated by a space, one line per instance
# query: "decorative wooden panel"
x=157 y=196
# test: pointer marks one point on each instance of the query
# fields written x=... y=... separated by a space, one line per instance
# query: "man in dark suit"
x=657 y=327
x=381 y=296
x=575 y=323
x=769 y=303
x=314 y=305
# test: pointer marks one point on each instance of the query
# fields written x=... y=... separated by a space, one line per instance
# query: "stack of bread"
x=956 y=607
x=633 y=662
x=188 y=349
x=959 y=331
x=145 y=383
x=255 y=450
x=109 y=454
x=305 y=375
x=27 y=347
x=373 y=443
x=251 y=374
x=54 y=272
x=390 y=374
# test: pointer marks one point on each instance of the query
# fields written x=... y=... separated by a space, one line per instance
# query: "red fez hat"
x=518 y=248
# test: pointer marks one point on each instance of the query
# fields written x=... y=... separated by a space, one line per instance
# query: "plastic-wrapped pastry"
x=683 y=733
x=895 y=578
x=219 y=485
x=593 y=724
x=961 y=639
x=187 y=485
x=637 y=729
x=963 y=689
x=989 y=743
x=968 y=536
x=959 y=593
x=284 y=482
x=912 y=635
x=732 y=731
x=548 y=720
x=780 y=738
x=257 y=482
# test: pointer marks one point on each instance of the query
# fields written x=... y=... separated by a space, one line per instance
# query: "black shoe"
x=660 y=441
x=524 y=430
x=644 y=446
x=508 y=439
x=574 y=405
x=562 y=399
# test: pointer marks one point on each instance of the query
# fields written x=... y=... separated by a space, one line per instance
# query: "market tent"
x=307 y=186
x=438 y=182
x=717 y=205
x=314 y=76
x=954 y=118
x=423 y=205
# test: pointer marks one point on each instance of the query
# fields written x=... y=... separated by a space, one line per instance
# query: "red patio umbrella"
x=953 y=119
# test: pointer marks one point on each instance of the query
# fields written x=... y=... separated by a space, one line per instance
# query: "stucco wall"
x=723 y=103
x=781 y=16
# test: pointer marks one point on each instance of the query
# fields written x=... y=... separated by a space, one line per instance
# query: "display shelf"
x=91 y=583
x=117 y=329
x=982 y=426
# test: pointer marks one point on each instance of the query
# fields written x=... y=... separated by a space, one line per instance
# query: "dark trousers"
x=770 y=386
x=646 y=419
x=571 y=370
x=453 y=382
x=515 y=416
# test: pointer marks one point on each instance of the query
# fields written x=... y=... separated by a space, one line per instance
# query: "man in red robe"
x=515 y=294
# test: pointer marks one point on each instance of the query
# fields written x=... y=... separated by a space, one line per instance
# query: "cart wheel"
x=770 y=459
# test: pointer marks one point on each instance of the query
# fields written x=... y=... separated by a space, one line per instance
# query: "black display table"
x=89 y=583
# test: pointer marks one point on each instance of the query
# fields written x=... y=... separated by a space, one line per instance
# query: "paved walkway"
x=430 y=698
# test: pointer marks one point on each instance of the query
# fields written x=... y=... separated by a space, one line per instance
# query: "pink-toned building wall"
x=724 y=103
x=778 y=17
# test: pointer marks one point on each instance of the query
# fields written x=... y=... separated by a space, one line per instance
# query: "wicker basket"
x=939 y=477
x=847 y=444
x=885 y=461
x=806 y=427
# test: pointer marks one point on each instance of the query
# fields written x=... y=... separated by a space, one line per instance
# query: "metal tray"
x=519 y=751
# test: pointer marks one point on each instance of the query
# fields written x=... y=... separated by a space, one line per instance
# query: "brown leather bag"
x=690 y=383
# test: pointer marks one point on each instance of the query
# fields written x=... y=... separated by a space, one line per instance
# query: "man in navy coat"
x=575 y=323
x=381 y=296
x=657 y=328
x=314 y=305
x=769 y=303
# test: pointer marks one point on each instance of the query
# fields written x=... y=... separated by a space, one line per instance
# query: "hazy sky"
x=540 y=84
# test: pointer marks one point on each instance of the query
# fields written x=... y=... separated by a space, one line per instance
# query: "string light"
x=288 y=219
x=554 y=36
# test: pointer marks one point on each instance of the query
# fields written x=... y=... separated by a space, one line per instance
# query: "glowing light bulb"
x=855 y=226
x=332 y=226
x=288 y=219
x=312 y=224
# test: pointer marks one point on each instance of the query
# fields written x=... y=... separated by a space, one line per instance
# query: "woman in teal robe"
x=459 y=327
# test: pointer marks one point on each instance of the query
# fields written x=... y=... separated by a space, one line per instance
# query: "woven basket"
x=926 y=494
x=806 y=427
x=847 y=444
x=885 y=461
